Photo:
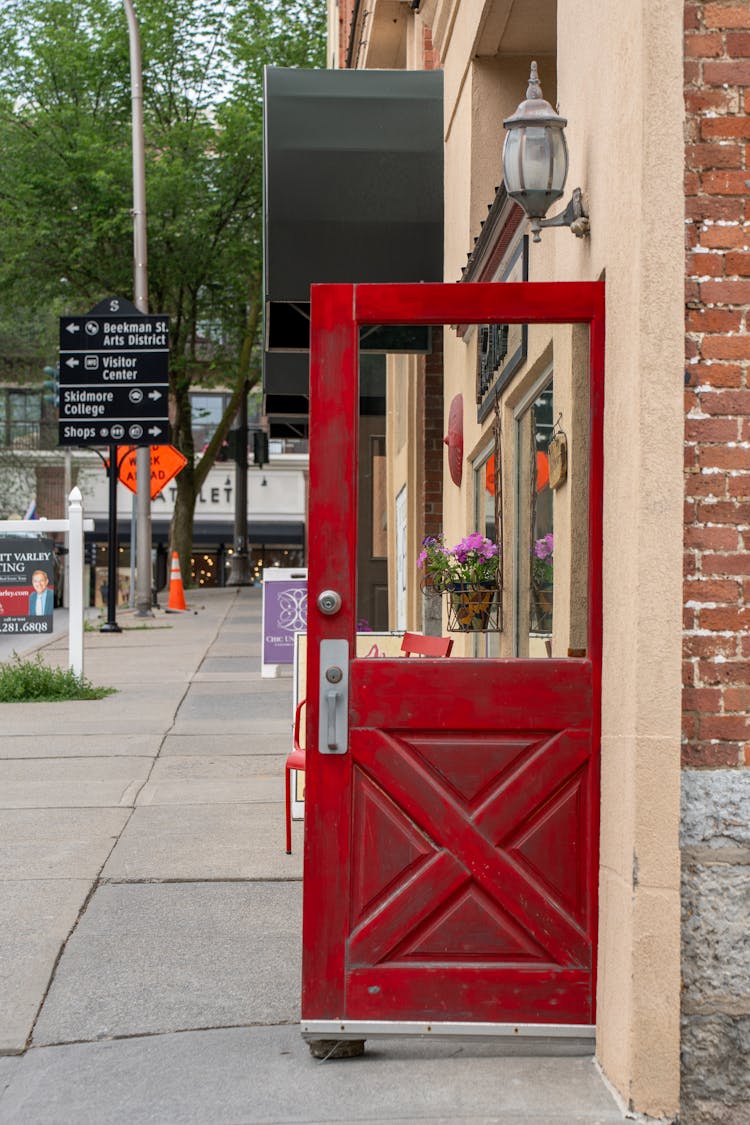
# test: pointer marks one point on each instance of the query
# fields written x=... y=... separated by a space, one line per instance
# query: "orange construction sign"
x=166 y=463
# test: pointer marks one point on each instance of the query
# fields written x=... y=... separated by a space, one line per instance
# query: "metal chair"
x=417 y=644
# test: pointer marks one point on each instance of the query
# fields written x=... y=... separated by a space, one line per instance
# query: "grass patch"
x=139 y=628
x=31 y=681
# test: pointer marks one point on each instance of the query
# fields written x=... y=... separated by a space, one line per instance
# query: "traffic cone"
x=176 y=602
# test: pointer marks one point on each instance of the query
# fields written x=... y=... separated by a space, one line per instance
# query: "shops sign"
x=114 y=376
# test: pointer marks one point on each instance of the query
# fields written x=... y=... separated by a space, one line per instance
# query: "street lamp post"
x=140 y=299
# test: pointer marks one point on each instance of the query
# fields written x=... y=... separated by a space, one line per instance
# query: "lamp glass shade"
x=535 y=165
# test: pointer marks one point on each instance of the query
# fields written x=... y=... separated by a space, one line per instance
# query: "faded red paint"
x=451 y=856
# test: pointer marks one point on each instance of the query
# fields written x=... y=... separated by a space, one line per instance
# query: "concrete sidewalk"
x=150 y=919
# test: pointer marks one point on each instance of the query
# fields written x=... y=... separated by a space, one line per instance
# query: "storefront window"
x=534 y=570
x=485 y=487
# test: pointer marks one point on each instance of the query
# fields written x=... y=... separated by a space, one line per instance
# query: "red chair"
x=413 y=644
x=295 y=761
x=416 y=644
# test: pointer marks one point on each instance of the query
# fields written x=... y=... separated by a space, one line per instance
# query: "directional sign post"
x=114 y=376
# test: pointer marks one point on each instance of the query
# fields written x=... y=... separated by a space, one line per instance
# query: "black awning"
x=265 y=532
x=353 y=192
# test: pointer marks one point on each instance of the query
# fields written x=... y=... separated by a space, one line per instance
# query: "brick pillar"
x=716 y=697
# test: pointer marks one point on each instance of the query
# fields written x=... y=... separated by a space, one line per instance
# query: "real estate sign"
x=26 y=584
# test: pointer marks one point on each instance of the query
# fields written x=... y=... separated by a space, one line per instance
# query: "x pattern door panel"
x=468 y=856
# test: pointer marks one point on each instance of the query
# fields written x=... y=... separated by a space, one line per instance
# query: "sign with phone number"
x=26 y=585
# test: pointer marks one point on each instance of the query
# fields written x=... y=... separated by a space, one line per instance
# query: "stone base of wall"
x=715 y=841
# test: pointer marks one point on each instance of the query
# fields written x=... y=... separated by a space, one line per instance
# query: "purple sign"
x=284 y=613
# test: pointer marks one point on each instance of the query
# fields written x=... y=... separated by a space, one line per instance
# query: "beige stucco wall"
x=619 y=82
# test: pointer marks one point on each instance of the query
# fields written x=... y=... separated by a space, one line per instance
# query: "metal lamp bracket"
x=574 y=216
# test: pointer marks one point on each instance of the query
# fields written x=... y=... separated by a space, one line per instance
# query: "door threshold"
x=510 y=1038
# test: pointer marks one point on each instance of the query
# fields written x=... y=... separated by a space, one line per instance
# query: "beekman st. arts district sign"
x=114 y=376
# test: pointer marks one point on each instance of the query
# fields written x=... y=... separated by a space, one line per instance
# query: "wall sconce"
x=535 y=163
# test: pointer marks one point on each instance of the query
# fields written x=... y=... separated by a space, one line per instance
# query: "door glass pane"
x=534 y=585
x=442 y=468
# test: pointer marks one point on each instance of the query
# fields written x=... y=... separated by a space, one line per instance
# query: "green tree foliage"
x=66 y=180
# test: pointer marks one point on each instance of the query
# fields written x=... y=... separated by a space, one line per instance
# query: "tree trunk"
x=182 y=522
x=181 y=532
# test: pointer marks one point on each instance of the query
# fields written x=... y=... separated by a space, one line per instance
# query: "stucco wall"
x=619 y=83
x=628 y=157
x=616 y=65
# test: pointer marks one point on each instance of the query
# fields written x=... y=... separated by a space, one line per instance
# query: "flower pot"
x=471 y=606
x=541 y=602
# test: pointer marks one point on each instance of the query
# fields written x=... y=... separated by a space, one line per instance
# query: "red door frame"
x=338 y=312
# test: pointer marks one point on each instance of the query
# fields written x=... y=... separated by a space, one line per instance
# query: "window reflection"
x=534 y=572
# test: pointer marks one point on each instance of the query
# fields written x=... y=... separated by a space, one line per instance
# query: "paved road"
x=150 y=918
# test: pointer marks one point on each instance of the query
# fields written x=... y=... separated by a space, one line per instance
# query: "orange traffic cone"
x=176 y=602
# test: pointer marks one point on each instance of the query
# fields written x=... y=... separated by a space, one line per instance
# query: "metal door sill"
x=513 y=1038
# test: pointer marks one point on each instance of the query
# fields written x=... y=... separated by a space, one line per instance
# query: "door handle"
x=332 y=700
x=333 y=697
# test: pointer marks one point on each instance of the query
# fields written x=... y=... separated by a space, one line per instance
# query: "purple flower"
x=544 y=548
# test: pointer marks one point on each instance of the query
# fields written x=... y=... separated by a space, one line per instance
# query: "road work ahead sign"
x=166 y=463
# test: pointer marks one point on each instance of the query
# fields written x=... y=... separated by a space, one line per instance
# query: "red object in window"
x=542 y=471
x=489 y=475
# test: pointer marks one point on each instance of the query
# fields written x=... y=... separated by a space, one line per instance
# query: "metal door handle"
x=332 y=701
x=333 y=697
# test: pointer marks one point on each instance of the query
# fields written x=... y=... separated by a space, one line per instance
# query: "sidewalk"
x=150 y=919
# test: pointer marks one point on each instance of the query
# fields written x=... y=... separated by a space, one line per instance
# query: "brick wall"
x=432 y=500
x=430 y=57
x=716 y=726
x=715 y=830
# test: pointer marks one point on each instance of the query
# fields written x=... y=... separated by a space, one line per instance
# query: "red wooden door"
x=451 y=834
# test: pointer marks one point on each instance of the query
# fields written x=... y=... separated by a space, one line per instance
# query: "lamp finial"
x=534 y=90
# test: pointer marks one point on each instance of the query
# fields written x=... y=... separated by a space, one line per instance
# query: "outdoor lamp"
x=535 y=163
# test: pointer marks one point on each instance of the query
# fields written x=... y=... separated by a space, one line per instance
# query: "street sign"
x=91 y=368
x=114 y=376
x=166 y=463
x=112 y=433
x=84 y=403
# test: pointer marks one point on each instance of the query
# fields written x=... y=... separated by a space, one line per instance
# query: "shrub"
x=31 y=681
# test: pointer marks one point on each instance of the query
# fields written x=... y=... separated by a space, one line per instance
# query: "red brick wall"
x=432 y=500
x=346 y=11
x=716 y=700
x=430 y=57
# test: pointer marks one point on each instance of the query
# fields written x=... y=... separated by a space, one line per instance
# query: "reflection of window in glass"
x=484 y=493
x=487 y=644
x=24 y=414
x=534 y=541
x=207 y=410
x=379 y=499
x=401 y=559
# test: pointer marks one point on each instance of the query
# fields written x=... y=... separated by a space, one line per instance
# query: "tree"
x=65 y=179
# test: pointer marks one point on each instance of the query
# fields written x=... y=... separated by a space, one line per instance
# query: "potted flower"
x=468 y=573
x=542 y=577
